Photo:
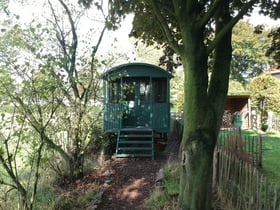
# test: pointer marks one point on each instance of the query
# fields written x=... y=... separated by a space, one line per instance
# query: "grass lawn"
x=271 y=153
x=271 y=156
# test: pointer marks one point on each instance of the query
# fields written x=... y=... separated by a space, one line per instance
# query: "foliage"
x=147 y=54
x=157 y=200
x=235 y=87
x=274 y=48
x=177 y=91
x=265 y=86
x=166 y=198
x=76 y=201
x=51 y=87
x=248 y=56
x=59 y=84
x=171 y=182
x=21 y=154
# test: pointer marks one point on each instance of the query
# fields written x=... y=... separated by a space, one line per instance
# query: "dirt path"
x=132 y=179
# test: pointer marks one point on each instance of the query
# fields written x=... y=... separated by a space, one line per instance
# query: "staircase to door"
x=135 y=142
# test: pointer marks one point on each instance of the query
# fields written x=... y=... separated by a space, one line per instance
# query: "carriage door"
x=137 y=97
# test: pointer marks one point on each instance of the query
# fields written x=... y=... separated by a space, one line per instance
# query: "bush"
x=74 y=201
x=268 y=87
x=109 y=143
x=172 y=180
x=157 y=200
x=105 y=142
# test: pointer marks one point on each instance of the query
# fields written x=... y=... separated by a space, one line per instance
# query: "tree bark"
x=203 y=107
x=199 y=138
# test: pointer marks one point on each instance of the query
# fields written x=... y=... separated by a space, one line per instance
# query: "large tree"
x=274 y=49
x=57 y=80
x=196 y=31
x=249 y=49
x=265 y=87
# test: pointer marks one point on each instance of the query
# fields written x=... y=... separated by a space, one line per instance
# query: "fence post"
x=270 y=120
x=215 y=167
x=259 y=158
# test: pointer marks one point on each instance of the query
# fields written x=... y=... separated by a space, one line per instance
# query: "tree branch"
x=59 y=33
x=41 y=130
x=164 y=27
x=206 y=17
x=17 y=185
x=37 y=175
x=229 y=26
x=88 y=90
x=72 y=51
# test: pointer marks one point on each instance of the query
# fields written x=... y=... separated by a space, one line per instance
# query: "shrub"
x=166 y=197
x=172 y=180
x=265 y=86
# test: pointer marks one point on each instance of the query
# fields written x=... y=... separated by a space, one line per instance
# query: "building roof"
x=240 y=96
x=275 y=70
x=136 y=69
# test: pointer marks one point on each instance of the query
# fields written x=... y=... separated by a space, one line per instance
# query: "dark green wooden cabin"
x=136 y=95
x=136 y=98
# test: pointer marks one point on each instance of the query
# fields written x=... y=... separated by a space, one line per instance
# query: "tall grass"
x=165 y=197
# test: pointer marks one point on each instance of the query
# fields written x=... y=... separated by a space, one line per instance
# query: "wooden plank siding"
x=136 y=95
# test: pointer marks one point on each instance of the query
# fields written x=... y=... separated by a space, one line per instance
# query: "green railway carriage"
x=136 y=95
x=136 y=98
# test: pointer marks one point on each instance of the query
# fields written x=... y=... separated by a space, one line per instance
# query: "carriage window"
x=160 y=90
x=145 y=90
x=129 y=91
x=115 y=91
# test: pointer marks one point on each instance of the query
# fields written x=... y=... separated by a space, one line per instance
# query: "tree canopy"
x=265 y=86
x=50 y=80
x=249 y=52
x=274 y=49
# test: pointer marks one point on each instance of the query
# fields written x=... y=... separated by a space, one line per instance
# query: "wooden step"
x=133 y=129
x=134 y=148
x=134 y=142
x=134 y=155
x=137 y=139
x=136 y=136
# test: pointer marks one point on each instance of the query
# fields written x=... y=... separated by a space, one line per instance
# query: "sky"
x=257 y=19
x=108 y=44
x=123 y=44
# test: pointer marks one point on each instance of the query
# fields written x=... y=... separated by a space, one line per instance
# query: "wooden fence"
x=236 y=177
x=245 y=147
x=241 y=185
x=276 y=123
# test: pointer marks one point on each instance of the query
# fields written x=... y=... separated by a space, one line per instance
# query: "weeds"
x=166 y=197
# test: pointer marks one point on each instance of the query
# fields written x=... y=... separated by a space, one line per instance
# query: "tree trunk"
x=196 y=172
x=199 y=137
x=76 y=163
x=203 y=108
x=76 y=167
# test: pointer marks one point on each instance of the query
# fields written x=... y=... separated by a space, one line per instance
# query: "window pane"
x=145 y=91
x=160 y=90
x=115 y=91
x=129 y=91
